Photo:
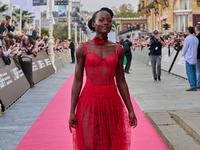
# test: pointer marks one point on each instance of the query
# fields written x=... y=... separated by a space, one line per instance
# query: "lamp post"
x=198 y=3
x=69 y=24
x=51 y=41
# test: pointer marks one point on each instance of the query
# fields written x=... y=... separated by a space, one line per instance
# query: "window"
x=182 y=9
x=183 y=5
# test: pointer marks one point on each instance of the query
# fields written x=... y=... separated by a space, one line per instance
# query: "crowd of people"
x=14 y=45
x=188 y=42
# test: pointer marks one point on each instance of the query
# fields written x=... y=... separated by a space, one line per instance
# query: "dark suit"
x=72 y=47
x=198 y=63
x=128 y=55
x=10 y=28
x=2 y=29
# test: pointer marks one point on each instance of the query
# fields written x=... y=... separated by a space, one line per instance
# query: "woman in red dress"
x=99 y=115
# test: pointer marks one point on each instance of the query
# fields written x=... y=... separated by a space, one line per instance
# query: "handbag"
x=6 y=60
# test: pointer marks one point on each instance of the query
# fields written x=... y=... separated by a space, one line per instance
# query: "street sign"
x=61 y=2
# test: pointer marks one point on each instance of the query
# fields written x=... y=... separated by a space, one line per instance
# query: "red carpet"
x=50 y=131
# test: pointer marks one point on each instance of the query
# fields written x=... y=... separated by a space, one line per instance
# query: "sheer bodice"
x=100 y=71
x=102 y=118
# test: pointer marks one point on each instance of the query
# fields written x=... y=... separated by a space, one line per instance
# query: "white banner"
x=19 y=2
x=28 y=6
x=37 y=13
x=48 y=9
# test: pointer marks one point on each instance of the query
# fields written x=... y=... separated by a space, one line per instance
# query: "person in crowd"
x=190 y=47
x=155 y=47
x=72 y=47
x=121 y=43
x=34 y=34
x=197 y=30
x=127 y=47
x=3 y=30
x=8 y=48
x=98 y=115
x=10 y=27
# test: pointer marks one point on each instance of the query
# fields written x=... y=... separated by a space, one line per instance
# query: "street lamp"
x=156 y=4
x=156 y=7
x=51 y=42
x=198 y=3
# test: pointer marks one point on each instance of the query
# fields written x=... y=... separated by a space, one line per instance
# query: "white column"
x=11 y=12
x=20 y=21
x=51 y=42
x=40 y=23
x=69 y=24
x=80 y=35
x=34 y=18
x=75 y=33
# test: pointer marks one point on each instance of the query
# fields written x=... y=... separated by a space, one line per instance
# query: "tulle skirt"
x=103 y=122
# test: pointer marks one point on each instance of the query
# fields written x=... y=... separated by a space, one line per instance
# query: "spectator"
x=155 y=47
x=12 y=27
x=197 y=29
x=34 y=34
x=190 y=46
x=72 y=47
x=3 y=27
x=127 y=48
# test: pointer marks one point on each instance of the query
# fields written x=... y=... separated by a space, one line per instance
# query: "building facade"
x=179 y=14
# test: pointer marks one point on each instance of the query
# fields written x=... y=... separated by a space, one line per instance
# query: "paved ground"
x=167 y=95
x=17 y=120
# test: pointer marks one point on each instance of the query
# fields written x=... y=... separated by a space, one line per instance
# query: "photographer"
x=155 y=47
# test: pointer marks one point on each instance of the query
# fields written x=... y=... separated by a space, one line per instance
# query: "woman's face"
x=103 y=22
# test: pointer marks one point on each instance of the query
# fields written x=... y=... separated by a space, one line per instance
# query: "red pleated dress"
x=103 y=122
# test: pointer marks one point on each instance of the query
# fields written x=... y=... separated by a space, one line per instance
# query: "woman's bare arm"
x=121 y=82
x=78 y=78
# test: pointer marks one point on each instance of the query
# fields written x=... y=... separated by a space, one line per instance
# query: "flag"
x=28 y=6
x=37 y=13
x=19 y=2
x=48 y=9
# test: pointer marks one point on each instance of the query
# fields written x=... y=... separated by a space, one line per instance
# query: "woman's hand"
x=133 y=119
x=72 y=122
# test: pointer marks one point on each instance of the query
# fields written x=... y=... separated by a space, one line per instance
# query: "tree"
x=26 y=16
x=3 y=8
x=44 y=32
x=124 y=11
x=61 y=32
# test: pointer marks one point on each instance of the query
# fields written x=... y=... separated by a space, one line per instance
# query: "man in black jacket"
x=128 y=53
x=12 y=27
x=197 y=30
x=155 y=47
x=72 y=47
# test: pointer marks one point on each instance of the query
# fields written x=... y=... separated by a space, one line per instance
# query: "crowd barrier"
x=173 y=63
x=13 y=81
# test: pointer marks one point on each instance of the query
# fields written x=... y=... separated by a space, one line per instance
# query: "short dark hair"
x=94 y=16
x=8 y=17
x=69 y=40
x=128 y=36
x=191 y=30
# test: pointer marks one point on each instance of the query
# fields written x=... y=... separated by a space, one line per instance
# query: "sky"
x=94 y=5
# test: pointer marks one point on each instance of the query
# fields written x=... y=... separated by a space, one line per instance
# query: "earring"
x=93 y=25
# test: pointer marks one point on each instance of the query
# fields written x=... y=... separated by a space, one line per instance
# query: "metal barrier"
x=14 y=82
x=174 y=63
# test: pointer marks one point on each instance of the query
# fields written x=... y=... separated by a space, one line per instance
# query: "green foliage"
x=44 y=32
x=61 y=32
x=26 y=16
x=124 y=11
x=3 y=8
